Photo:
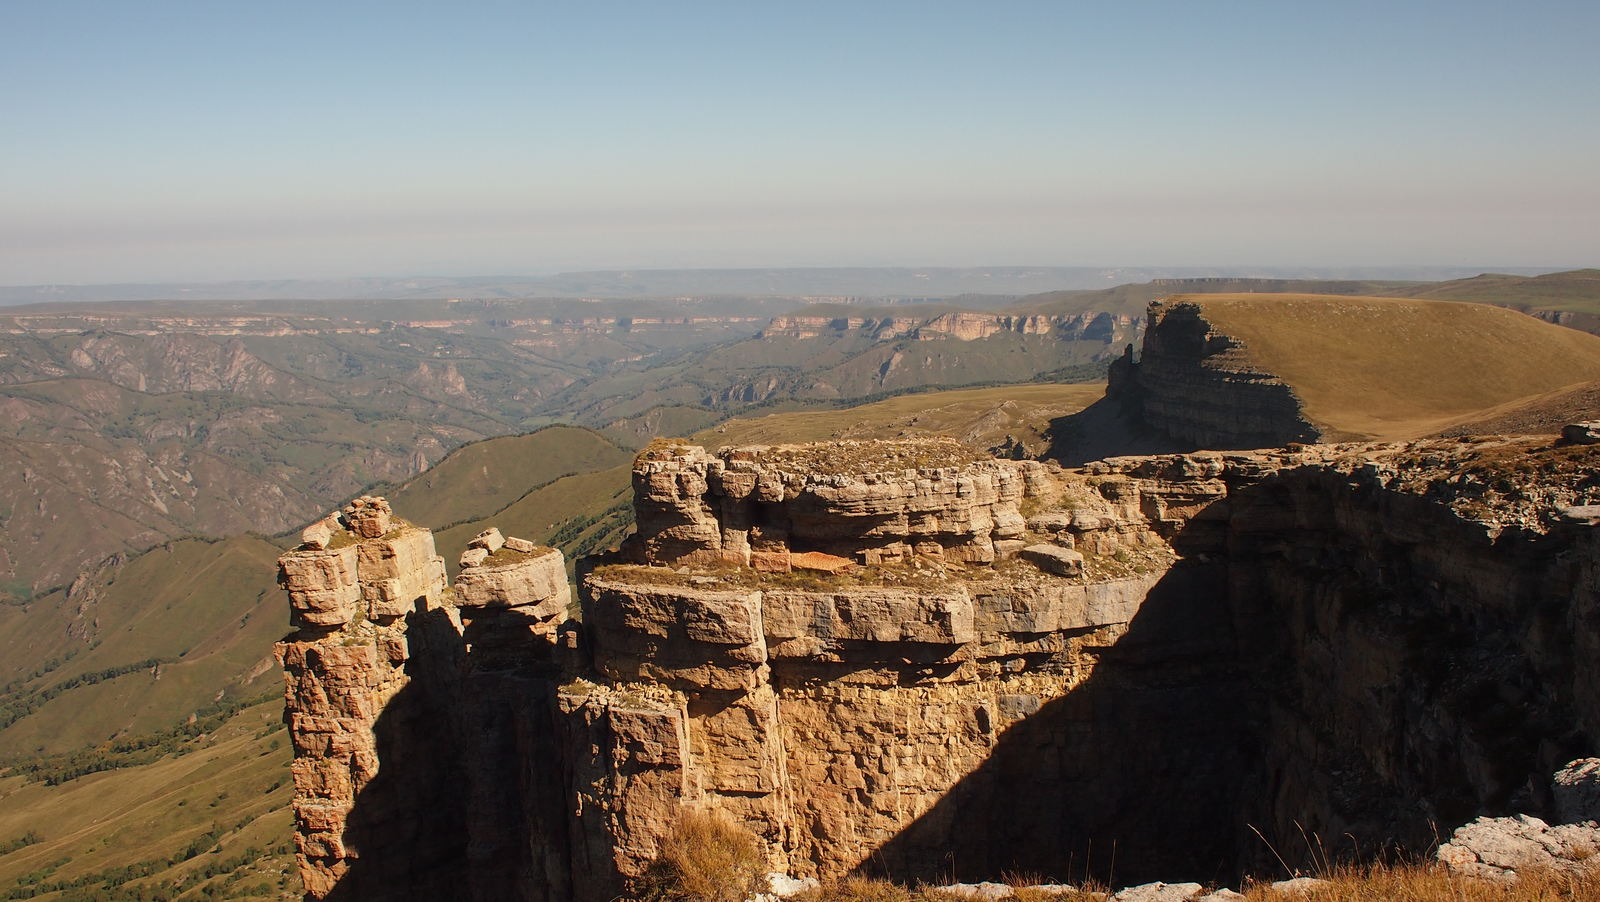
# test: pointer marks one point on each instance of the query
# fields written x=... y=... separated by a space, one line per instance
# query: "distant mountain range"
x=834 y=283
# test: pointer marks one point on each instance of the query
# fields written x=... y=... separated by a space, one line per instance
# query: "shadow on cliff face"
x=1342 y=674
x=408 y=823
x=1127 y=776
x=468 y=801
x=1104 y=429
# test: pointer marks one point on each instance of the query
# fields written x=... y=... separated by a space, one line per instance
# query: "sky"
x=168 y=141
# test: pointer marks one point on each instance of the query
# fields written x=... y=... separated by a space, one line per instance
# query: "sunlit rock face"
x=908 y=658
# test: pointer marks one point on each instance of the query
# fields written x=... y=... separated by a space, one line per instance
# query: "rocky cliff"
x=1198 y=385
x=906 y=658
x=961 y=325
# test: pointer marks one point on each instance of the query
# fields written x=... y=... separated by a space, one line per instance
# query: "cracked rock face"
x=868 y=501
x=1315 y=637
x=1496 y=848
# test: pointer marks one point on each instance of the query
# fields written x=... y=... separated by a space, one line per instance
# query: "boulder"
x=1055 y=559
x=316 y=536
x=472 y=557
x=1158 y=892
x=1586 y=433
x=537 y=582
x=817 y=560
x=783 y=886
x=322 y=586
x=984 y=892
x=368 y=517
x=1577 y=791
x=489 y=540
x=1495 y=848
x=1583 y=514
x=521 y=546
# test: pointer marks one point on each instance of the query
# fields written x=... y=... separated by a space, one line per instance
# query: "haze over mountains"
x=868 y=282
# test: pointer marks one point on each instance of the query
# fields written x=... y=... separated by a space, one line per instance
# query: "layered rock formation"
x=960 y=325
x=906 y=658
x=1197 y=385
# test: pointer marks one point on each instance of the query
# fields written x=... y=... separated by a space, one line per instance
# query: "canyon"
x=907 y=658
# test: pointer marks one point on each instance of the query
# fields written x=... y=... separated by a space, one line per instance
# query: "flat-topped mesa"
x=871 y=501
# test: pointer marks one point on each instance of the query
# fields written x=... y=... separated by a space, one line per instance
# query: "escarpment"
x=1261 y=370
x=1197 y=385
x=907 y=658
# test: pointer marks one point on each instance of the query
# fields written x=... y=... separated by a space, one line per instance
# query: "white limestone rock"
x=1158 y=892
x=1055 y=559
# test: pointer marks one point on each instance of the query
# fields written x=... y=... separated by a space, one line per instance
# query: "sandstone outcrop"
x=1198 y=386
x=960 y=325
x=1361 y=639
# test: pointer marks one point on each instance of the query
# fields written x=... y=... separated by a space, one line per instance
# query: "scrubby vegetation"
x=706 y=857
x=1374 y=883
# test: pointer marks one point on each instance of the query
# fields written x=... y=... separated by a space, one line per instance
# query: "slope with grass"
x=981 y=417
x=138 y=646
x=210 y=822
x=491 y=474
x=1132 y=299
x=1243 y=369
x=1573 y=291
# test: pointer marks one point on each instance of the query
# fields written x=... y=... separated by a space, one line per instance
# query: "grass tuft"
x=705 y=858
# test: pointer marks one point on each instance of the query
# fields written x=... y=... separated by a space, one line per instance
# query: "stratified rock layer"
x=1197 y=385
x=975 y=667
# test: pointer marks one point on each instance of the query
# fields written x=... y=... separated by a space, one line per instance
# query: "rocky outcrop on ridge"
x=959 y=325
x=1198 y=386
x=850 y=649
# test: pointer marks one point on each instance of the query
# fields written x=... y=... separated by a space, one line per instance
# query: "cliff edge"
x=907 y=658
x=1254 y=370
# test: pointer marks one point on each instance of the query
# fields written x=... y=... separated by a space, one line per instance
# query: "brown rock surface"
x=1319 y=637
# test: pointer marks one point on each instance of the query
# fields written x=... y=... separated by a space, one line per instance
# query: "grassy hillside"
x=210 y=823
x=982 y=417
x=136 y=648
x=1542 y=414
x=1390 y=368
x=141 y=728
x=579 y=514
x=488 y=475
x=1576 y=291
x=1131 y=300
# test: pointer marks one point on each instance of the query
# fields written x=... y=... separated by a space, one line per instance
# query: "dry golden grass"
x=982 y=417
x=1368 y=883
x=1432 y=883
x=1392 y=368
x=706 y=857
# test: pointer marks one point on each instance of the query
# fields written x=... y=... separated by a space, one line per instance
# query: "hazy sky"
x=156 y=140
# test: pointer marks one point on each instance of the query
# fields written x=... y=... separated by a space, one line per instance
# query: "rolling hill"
x=1386 y=368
